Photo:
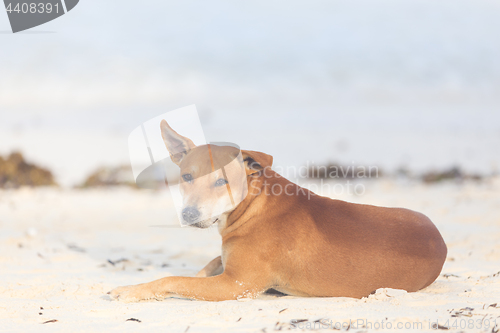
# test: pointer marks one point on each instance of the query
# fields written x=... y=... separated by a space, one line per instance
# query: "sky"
x=383 y=82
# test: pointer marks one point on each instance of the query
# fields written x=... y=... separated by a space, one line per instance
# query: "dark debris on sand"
x=134 y=319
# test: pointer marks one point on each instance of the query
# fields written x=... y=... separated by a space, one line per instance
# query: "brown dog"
x=295 y=242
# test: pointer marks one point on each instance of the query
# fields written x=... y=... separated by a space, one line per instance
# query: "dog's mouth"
x=204 y=224
x=215 y=221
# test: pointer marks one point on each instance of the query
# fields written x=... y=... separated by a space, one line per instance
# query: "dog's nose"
x=190 y=214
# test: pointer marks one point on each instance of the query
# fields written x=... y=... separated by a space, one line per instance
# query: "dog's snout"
x=190 y=214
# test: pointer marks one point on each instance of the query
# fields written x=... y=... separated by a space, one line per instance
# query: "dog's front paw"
x=133 y=293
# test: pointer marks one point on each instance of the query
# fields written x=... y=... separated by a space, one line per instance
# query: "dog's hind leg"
x=213 y=268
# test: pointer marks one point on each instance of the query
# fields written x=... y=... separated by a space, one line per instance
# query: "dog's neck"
x=229 y=221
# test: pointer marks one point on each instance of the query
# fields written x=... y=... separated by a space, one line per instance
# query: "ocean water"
x=387 y=83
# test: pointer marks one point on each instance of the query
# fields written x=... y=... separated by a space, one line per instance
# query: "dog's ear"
x=177 y=145
x=255 y=161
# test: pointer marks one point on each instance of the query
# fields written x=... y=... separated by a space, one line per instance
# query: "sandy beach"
x=61 y=250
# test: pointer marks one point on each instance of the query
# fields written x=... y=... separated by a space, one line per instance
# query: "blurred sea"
x=391 y=83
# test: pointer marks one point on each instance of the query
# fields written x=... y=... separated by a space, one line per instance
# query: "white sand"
x=55 y=246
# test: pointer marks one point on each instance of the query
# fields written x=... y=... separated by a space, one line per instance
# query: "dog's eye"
x=220 y=182
x=187 y=177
